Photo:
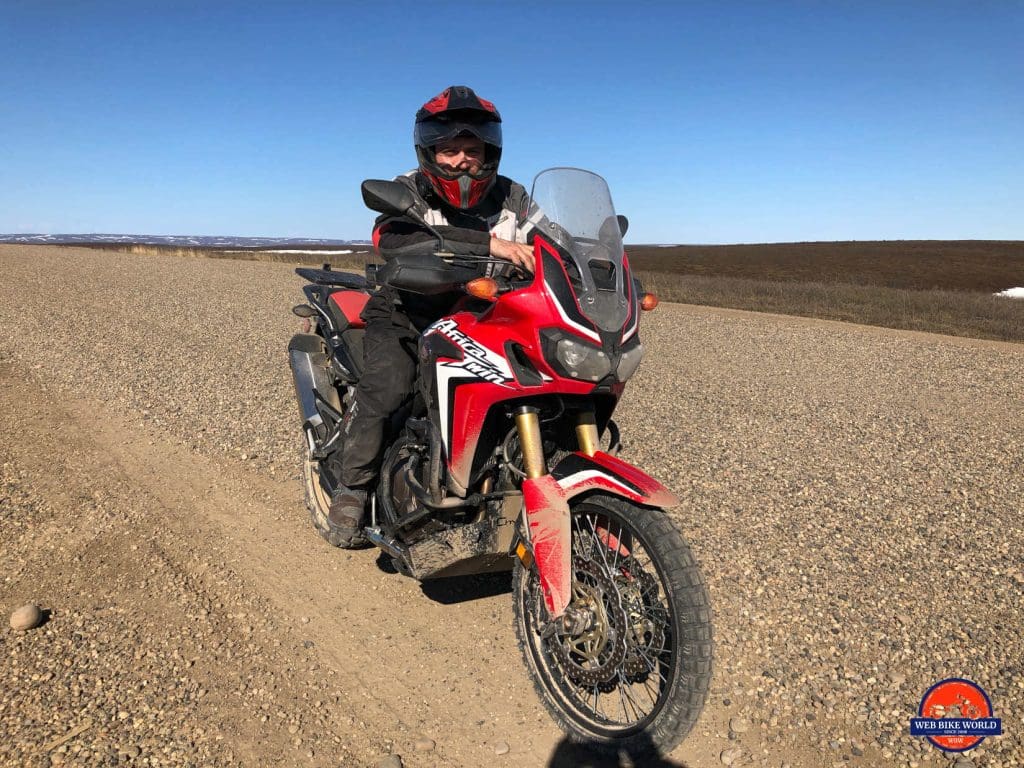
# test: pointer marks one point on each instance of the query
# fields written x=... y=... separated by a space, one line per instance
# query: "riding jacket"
x=503 y=213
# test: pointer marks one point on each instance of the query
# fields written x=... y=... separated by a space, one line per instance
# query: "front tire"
x=638 y=677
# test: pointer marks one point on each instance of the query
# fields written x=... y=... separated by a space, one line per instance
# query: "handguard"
x=426 y=274
x=547 y=513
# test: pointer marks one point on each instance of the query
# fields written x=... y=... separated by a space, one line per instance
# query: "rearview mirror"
x=623 y=224
x=389 y=197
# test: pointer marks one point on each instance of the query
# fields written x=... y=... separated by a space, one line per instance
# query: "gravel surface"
x=854 y=495
x=152 y=652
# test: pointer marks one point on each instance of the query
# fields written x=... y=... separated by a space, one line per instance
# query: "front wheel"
x=631 y=670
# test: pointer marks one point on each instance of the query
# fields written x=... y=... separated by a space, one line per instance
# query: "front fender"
x=578 y=473
x=546 y=500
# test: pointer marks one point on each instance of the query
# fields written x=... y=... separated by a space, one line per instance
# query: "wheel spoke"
x=597 y=538
x=652 y=696
x=624 y=687
x=618 y=546
x=627 y=636
x=622 y=698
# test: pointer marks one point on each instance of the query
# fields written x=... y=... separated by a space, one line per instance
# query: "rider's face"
x=463 y=153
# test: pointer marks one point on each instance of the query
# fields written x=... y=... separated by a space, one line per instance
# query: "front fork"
x=528 y=424
x=548 y=538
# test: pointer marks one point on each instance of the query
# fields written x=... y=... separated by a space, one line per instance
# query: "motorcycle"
x=507 y=460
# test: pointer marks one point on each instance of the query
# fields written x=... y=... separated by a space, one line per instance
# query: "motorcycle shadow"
x=457 y=589
x=570 y=755
x=465 y=589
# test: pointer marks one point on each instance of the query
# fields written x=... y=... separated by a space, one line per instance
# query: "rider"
x=477 y=212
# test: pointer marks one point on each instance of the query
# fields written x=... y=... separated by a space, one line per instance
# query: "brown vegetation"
x=927 y=285
x=957 y=313
x=940 y=286
x=949 y=265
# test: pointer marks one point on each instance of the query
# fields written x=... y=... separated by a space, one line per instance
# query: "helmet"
x=457 y=111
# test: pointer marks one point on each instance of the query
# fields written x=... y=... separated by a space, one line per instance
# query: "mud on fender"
x=546 y=500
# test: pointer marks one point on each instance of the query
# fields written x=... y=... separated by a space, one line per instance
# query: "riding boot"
x=345 y=517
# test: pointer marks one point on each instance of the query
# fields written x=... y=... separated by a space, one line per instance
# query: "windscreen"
x=579 y=218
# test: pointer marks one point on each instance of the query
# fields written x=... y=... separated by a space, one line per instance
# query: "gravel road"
x=853 y=493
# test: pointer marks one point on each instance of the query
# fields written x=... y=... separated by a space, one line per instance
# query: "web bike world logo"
x=955 y=715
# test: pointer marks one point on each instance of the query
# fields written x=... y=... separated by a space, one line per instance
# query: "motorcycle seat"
x=346 y=307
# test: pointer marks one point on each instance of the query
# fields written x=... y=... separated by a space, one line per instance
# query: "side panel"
x=350 y=305
x=472 y=374
x=468 y=378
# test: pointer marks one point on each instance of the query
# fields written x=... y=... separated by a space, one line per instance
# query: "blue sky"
x=713 y=122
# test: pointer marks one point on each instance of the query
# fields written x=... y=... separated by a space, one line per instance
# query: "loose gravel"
x=150 y=652
x=853 y=494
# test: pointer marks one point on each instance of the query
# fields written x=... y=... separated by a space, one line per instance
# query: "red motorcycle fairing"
x=546 y=500
x=478 y=362
x=476 y=373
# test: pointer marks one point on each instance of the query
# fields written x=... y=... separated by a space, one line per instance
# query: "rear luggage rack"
x=330 y=277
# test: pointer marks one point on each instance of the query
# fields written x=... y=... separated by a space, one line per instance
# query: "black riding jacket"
x=502 y=213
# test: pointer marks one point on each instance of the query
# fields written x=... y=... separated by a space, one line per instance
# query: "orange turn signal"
x=482 y=288
x=648 y=302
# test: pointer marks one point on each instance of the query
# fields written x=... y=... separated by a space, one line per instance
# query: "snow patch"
x=297 y=250
x=1012 y=293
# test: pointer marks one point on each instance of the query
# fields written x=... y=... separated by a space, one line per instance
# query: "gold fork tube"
x=528 y=424
x=586 y=433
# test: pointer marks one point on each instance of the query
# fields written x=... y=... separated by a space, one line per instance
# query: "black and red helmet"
x=458 y=111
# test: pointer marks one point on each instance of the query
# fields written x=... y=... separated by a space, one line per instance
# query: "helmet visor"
x=430 y=133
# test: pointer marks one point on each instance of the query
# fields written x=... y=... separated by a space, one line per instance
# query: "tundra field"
x=852 y=493
x=940 y=286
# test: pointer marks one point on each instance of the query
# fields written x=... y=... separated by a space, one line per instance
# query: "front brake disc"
x=595 y=655
x=647 y=620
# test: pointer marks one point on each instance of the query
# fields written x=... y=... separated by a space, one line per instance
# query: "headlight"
x=628 y=362
x=582 y=361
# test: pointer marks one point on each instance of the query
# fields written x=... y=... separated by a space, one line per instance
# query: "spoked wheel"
x=317 y=500
x=632 y=670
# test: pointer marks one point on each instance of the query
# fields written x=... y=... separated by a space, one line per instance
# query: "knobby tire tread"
x=692 y=680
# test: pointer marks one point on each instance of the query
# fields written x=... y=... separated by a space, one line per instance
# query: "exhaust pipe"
x=313 y=388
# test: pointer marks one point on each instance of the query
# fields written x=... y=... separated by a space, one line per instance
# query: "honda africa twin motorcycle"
x=507 y=460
